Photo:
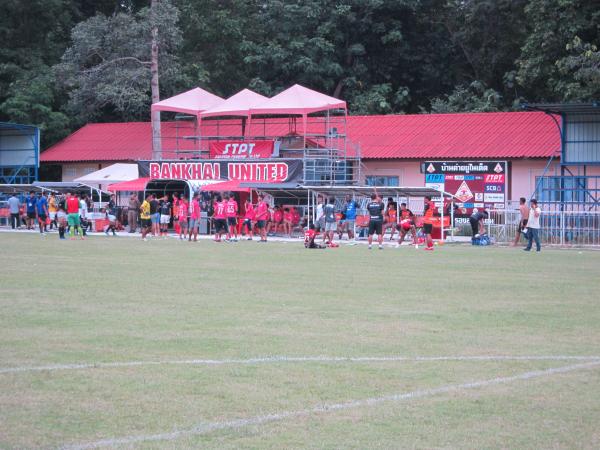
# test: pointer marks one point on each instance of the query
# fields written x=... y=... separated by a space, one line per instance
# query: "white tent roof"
x=112 y=174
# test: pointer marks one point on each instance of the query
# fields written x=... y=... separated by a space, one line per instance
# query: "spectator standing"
x=533 y=226
x=14 y=206
x=133 y=212
x=30 y=205
x=41 y=209
x=524 y=212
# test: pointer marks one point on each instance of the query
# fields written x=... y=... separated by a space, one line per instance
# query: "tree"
x=546 y=69
x=106 y=70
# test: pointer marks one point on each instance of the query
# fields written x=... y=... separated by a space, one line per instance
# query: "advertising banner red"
x=241 y=149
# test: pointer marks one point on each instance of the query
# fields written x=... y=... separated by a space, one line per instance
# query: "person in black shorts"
x=375 y=208
x=476 y=221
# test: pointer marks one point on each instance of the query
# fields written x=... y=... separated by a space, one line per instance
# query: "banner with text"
x=241 y=149
x=273 y=171
x=475 y=184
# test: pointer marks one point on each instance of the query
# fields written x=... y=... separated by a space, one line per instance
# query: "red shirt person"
x=231 y=212
x=262 y=215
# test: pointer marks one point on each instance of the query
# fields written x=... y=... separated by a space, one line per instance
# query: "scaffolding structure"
x=329 y=158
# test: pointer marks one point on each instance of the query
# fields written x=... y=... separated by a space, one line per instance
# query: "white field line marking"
x=208 y=427
x=293 y=359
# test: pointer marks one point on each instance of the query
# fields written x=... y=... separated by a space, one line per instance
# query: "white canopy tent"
x=112 y=174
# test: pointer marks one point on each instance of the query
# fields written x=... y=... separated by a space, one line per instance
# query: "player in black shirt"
x=375 y=208
x=165 y=215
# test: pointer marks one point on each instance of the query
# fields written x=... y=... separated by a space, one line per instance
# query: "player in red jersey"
x=220 y=218
x=72 y=204
x=309 y=237
x=428 y=213
x=407 y=223
x=262 y=215
x=231 y=212
x=249 y=216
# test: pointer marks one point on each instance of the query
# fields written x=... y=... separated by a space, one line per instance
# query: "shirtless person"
x=524 y=210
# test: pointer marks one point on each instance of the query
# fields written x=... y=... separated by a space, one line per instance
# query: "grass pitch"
x=110 y=300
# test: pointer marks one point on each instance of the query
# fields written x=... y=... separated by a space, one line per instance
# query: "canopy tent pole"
x=442 y=218
x=452 y=219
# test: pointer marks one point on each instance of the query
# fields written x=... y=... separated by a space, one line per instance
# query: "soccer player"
x=145 y=221
x=73 y=216
x=41 y=209
x=428 y=212
x=194 y=218
x=309 y=237
x=30 y=204
x=350 y=218
x=182 y=217
x=83 y=212
x=391 y=219
x=287 y=222
x=112 y=221
x=61 y=220
x=52 y=209
x=165 y=215
x=330 y=220
x=375 y=208
x=220 y=218
x=407 y=223
x=231 y=213
x=262 y=214
x=155 y=215
x=249 y=216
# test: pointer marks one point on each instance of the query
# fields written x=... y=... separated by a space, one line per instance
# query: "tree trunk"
x=156 y=140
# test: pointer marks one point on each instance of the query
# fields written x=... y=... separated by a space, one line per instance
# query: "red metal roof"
x=422 y=136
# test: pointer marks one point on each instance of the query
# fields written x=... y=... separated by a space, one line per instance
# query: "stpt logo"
x=241 y=149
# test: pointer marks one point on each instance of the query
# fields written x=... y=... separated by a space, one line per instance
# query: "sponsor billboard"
x=272 y=171
x=474 y=184
x=241 y=149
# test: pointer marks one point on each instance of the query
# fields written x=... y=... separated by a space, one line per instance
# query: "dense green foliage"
x=65 y=62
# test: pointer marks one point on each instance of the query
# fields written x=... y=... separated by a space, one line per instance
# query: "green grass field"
x=164 y=303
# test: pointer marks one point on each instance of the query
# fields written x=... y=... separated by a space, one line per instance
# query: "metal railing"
x=566 y=228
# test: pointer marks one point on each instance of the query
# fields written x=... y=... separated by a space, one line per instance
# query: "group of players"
x=381 y=218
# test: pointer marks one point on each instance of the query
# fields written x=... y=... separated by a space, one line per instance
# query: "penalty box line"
x=208 y=427
x=292 y=359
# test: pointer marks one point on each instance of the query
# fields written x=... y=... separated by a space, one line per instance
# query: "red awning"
x=137 y=185
x=230 y=185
